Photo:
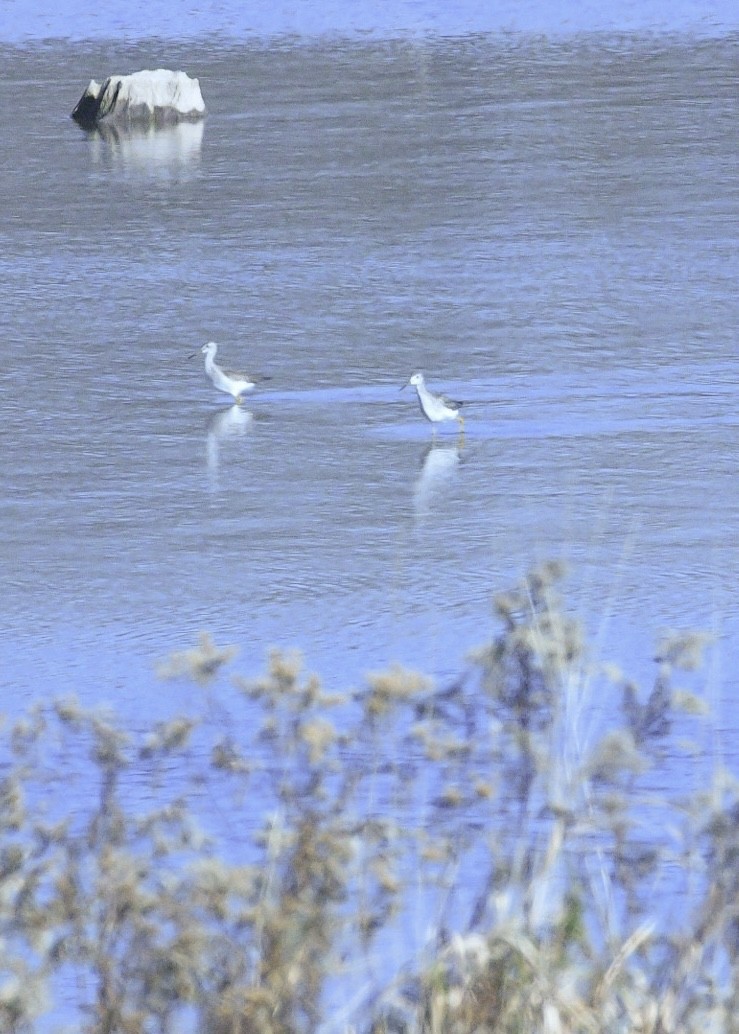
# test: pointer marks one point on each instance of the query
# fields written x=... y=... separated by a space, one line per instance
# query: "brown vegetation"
x=254 y=868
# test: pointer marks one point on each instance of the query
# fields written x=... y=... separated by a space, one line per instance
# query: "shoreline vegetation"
x=536 y=846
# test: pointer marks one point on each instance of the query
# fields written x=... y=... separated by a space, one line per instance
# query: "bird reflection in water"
x=223 y=426
x=439 y=464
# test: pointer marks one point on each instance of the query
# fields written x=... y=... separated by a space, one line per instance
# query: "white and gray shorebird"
x=225 y=380
x=436 y=408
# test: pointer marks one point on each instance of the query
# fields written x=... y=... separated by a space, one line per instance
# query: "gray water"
x=547 y=229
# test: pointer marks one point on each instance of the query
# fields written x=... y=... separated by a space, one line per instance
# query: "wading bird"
x=436 y=408
x=232 y=383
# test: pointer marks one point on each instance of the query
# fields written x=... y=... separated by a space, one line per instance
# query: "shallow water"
x=548 y=230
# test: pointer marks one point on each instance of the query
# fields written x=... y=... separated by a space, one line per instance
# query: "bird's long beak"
x=405 y=385
x=192 y=356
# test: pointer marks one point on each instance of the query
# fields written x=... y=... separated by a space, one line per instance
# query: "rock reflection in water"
x=162 y=152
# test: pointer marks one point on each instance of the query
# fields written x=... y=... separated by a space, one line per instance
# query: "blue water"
x=26 y=20
x=543 y=219
x=544 y=224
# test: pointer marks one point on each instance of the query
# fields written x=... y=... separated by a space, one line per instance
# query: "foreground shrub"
x=497 y=854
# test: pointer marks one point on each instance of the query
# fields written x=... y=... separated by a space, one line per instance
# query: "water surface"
x=547 y=229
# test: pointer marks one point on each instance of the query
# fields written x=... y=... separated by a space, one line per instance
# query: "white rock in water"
x=158 y=96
